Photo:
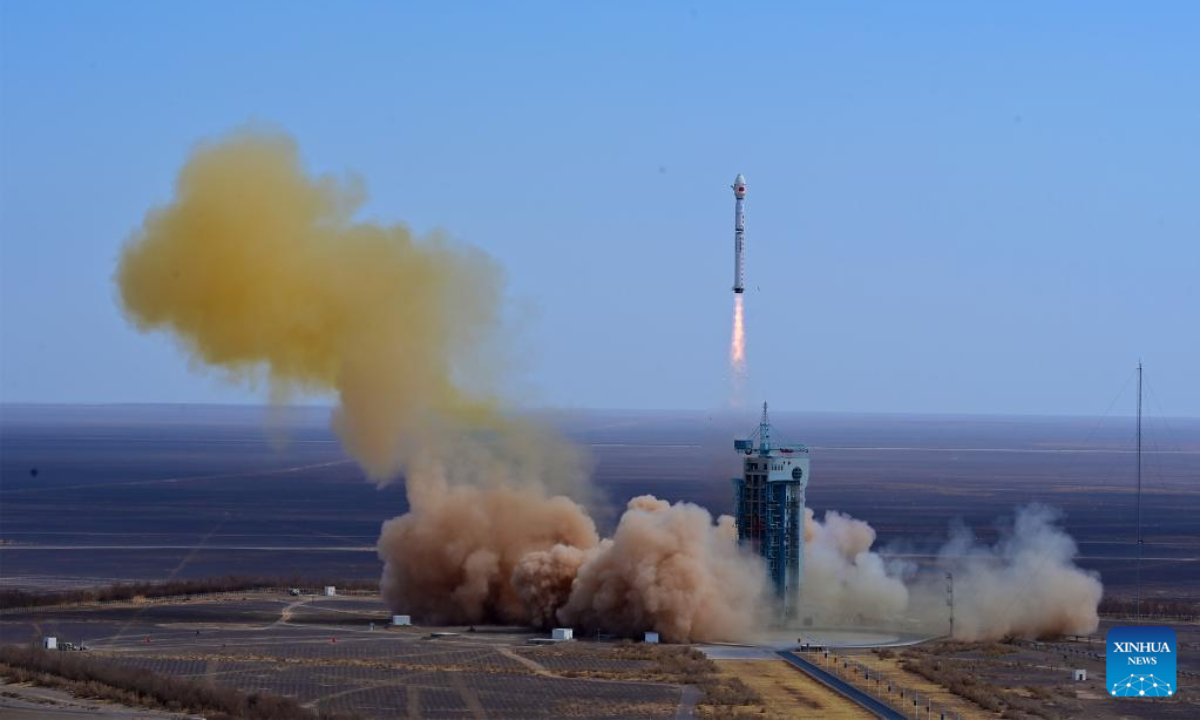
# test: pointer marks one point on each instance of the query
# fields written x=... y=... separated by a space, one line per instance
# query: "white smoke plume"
x=844 y=579
x=1026 y=584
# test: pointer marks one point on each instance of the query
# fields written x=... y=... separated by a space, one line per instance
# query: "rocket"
x=739 y=235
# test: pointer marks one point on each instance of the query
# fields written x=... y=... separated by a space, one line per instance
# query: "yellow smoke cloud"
x=259 y=267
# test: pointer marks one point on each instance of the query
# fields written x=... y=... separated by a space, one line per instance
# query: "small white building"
x=50 y=643
x=401 y=620
x=330 y=591
x=1080 y=675
x=652 y=637
x=563 y=634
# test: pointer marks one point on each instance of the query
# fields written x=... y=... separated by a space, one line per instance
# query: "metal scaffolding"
x=769 y=498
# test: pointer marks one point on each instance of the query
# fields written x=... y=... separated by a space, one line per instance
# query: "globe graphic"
x=1141 y=686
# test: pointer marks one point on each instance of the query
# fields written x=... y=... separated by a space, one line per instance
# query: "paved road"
x=841 y=686
x=687 y=703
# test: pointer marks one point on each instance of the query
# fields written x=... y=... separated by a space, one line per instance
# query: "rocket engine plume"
x=737 y=351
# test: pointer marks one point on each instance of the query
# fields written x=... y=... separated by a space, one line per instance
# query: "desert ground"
x=92 y=496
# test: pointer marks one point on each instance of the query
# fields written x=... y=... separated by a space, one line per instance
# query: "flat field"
x=1037 y=676
x=90 y=495
x=324 y=653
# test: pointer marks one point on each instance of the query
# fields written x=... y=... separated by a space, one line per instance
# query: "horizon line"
x=725 y=411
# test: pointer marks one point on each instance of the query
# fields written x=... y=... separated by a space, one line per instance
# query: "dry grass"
x=1013 y=703
x=783 y=692
x=892 y=667
x=724 y=696
x=571 y=708
x=90 y=677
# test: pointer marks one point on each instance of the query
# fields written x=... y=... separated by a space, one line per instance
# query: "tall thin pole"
x=764 y=431
x=950 y=600
x=1139 y=494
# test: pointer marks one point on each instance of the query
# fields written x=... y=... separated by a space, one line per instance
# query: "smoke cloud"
x=670 y=569
x=1026 y=584
x=844 y=580
x=470 y=554
x=261 y=271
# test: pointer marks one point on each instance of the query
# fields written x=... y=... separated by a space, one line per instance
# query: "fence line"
x=902 y=698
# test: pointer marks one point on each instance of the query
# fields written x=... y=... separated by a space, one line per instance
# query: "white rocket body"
x=739 y=235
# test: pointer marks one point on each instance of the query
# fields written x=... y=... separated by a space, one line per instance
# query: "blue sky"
x=954 y=207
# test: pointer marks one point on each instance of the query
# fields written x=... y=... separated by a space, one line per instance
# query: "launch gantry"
x=770 y=509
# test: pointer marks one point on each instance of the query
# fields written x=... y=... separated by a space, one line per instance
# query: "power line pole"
x=950 y=600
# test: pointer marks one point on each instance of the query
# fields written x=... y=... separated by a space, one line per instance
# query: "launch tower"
x=770 y=509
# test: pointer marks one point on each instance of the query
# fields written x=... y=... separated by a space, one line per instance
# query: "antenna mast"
x=950 y=600
x=1139 y=494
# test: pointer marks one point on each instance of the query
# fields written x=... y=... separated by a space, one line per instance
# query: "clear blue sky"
x=954 y=207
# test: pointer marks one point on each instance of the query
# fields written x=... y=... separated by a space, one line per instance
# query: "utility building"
x=770 y=509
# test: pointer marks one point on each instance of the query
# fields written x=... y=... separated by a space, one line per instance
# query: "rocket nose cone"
x=739 y=186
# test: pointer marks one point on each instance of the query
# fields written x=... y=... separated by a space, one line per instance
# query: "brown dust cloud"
x=261 y=270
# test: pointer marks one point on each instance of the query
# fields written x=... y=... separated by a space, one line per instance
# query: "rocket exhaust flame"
x=737 y=351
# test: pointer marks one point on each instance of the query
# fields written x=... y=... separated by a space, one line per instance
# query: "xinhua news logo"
x=1140 y=661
